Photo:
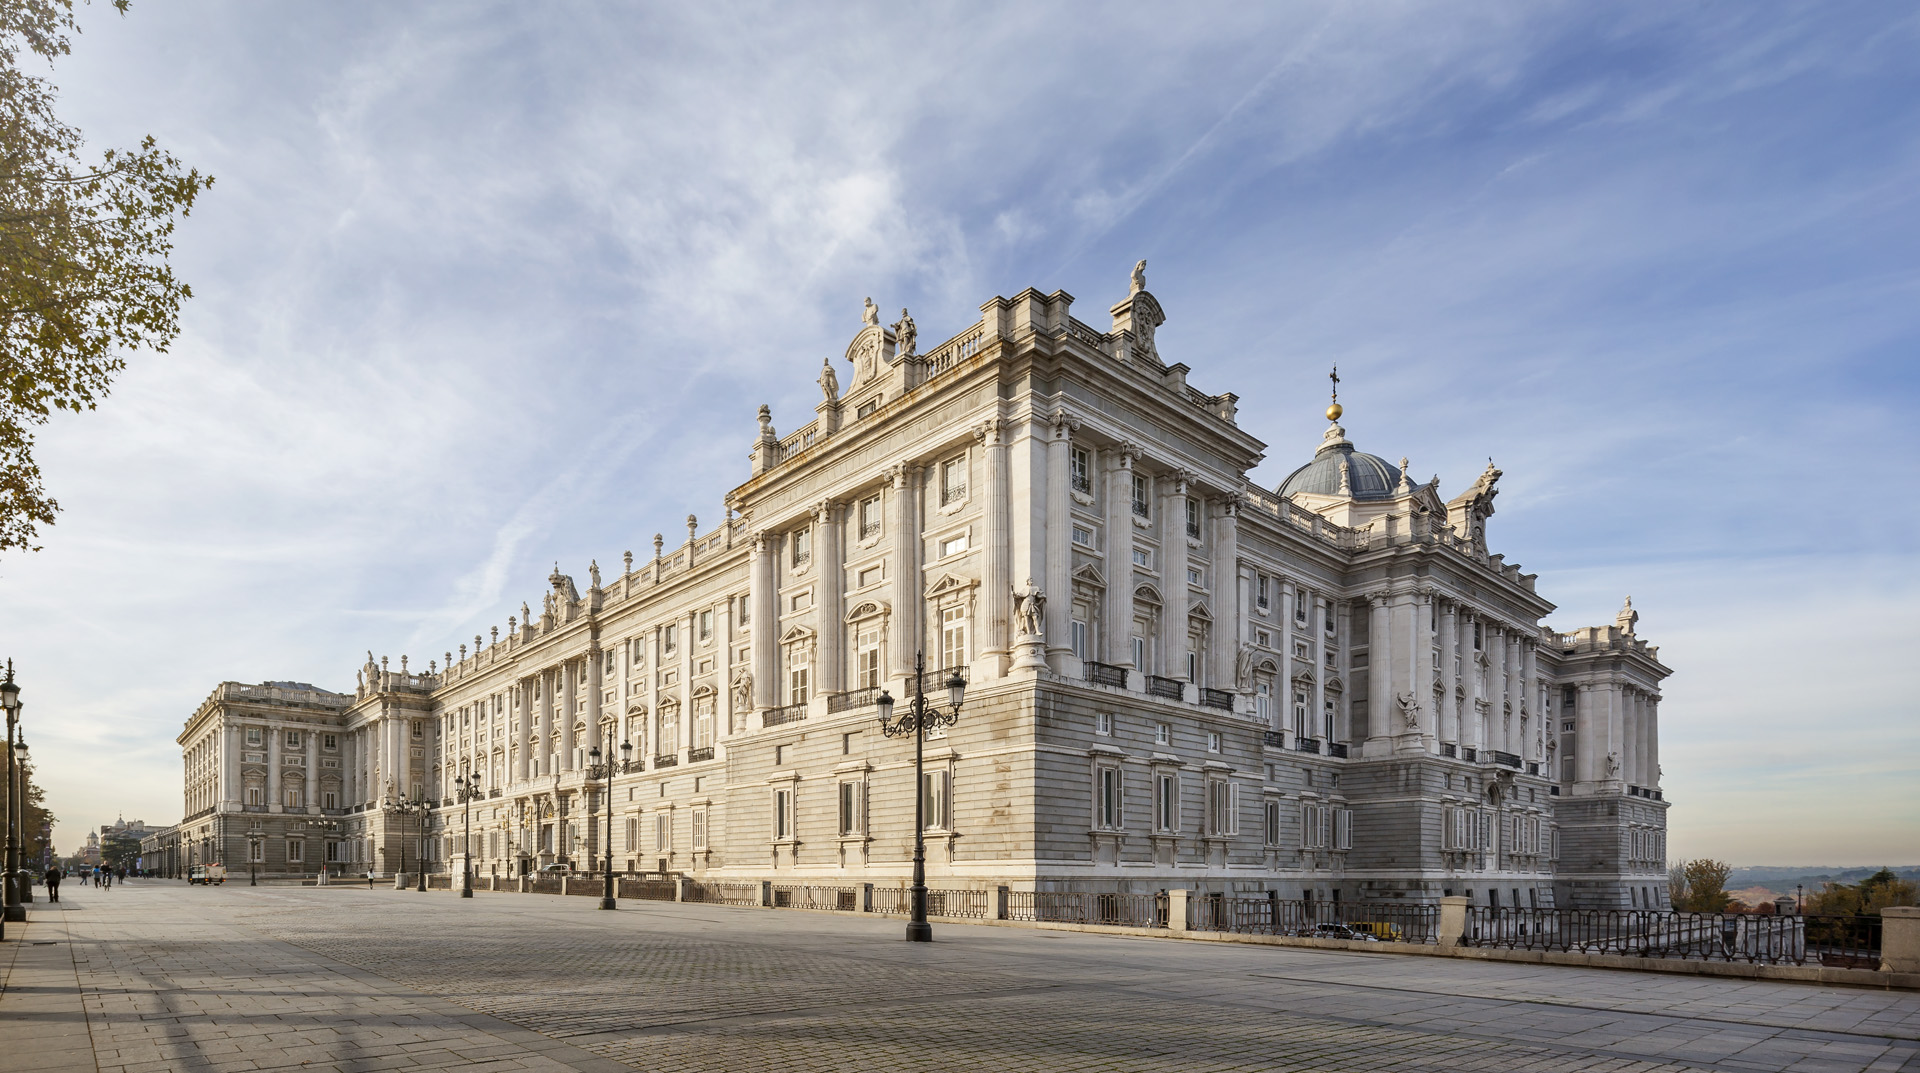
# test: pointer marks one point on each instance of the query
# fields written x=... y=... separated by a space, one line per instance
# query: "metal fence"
x=966 y=904
x=1836 y=941
x=1363 y=921
x=1086 y=907
x=724 y=893
x=643 y=888
x=806 y=896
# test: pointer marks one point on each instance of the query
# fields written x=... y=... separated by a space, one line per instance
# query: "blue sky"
x=482 y=287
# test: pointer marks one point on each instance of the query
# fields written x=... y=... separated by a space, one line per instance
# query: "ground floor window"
x=296 y=851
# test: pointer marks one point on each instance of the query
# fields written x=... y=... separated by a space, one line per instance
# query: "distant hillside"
x=1783 y=878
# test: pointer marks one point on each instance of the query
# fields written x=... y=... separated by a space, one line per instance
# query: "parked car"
x=208 y=874
x=555 y=870
x=1340 y=931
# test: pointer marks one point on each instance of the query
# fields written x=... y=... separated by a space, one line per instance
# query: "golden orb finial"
x=1334 y=412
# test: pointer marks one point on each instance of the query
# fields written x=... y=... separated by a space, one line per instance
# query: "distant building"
x=1331 y=689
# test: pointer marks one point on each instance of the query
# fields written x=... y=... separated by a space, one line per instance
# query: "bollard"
x=1177 y=910
x=1000 y=903
x=1453 y=920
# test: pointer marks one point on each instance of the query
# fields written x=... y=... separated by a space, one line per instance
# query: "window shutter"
x=1343 y=828
x=1233 y=808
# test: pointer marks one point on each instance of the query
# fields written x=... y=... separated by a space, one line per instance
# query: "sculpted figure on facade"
x=870 y=316
x=1613 y=764
x=1029 y=610
x=1627 y=619
x=829 y=381
x=906 y=335
x=1139 y=281
x=743 y=690
x=1243 y=665
x=1409 y=709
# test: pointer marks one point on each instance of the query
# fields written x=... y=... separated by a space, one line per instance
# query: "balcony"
x=1170 y=688
x=774 y=717
x=1306 y=745
x=1216 y=698
x=1106 y=674
x=666 y=760
x=852 y=699
x=1506 y=759
x=1470 y=755
x=1448 y=748
x=1275 y=739
x=695 y=756
x=1337 y=748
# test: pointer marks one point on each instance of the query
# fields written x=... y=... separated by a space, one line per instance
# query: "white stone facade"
x=1175 y=678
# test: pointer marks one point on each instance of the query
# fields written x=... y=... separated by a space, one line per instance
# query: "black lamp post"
x=596 y=770
x=10 y=907
x=468 y=787
x=917 y=721
x=403 y=809
x=254 y=839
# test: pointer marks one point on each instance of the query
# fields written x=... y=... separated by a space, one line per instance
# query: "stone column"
x=1286 y=596
x=1116 y=631
x=1616 y=731
x=1653 y=740
x=1173 y=575
x=230 y=763
x=829 y=564
x=1421 y=664
x=1589 y=755
x=657 y=662
x=1449 y=651
x=903 y=625
x=569 y=698
x=313 y=772
x=994 y=630
x=1316 y=722
x=596 y=700
x=1630 y=735
x=723 y=706
x=1379 y=671
x=543 y=726
x=1229 y=603
x=1058 y=582
x=522 y=732
x=273 y=768
x=763 y=626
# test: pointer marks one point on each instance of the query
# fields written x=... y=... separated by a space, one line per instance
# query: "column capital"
x=1064 y=423
x=992 y=432
x=1126 y=453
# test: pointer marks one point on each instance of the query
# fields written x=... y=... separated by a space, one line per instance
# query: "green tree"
x=1699 y=886
x=1869 y=896
x=83 y=259
x=120 y=850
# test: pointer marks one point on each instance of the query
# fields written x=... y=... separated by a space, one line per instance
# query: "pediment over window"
x=795 y=634
x=1091 y=575
x=949 y=584
x=703 y=690
x=1267 y=665
x=1305 y=676
x=637 y=708
x=1148 y=594
x=1199 y=611
x=868 y=609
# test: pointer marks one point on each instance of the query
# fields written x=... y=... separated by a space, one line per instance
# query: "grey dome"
x=1368 y=476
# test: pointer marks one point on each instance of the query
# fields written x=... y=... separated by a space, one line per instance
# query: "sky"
x=485 y=287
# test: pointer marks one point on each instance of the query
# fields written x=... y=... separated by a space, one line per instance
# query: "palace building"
x=1331 y=689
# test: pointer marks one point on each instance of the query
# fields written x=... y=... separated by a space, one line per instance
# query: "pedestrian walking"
x=53 y=877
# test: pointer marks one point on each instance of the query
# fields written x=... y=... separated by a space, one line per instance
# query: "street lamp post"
x=254 y=838
x=596 y=770
x=403 y=809
x=10 y=907
x=917 y=721
x=468 y=787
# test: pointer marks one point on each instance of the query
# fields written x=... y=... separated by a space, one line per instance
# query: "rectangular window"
x=257 y=851
x=706 y=625
x=952 y=545
x=1143 y=557
x=1140 y=653
x=328 y=741
x=1163 y=734
x=869 y=517
x=1166 y=802
x=333 y=853
x=802 y=546
x=293 y=739
x=953 y=480
x=253 y=735
x=1260 y=590
x=662 y=832
x=330 y=800
x=1221 y=799
x=799 y=672
x=253 y=795
x=296 y=851
x=744 y=617
x=1080 y=470
x=1326 y=615
x=953 y=636
x=699 y=828
x=1142 y=490
x=850 y=810
x=936 y=795
x=669 y=639
x=1193 y=577
x=1343 y=828
x=1083 y=536
x=1079 y=639
x=1213 y=741
x=293 y=799
x=1103 y=724
x=1300 y=609
x=1193 y=518
x=1263 y=702
x=633 y=836
x=1193 y=666
x=1270 y=828
x=866 y=659
x=1107 y=797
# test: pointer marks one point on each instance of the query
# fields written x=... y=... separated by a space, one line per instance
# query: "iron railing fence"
x=1835 y=941
x=545 y=884
x=1392 y=922
x=807 y=896
x=1103 y=674
x=588 y=885
x=965 y=904
x=1087 y=907
x=439 y=882
x=724 y=893
x=643 y=888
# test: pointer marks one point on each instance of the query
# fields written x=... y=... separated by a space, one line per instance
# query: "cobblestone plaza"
x=157 y=976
